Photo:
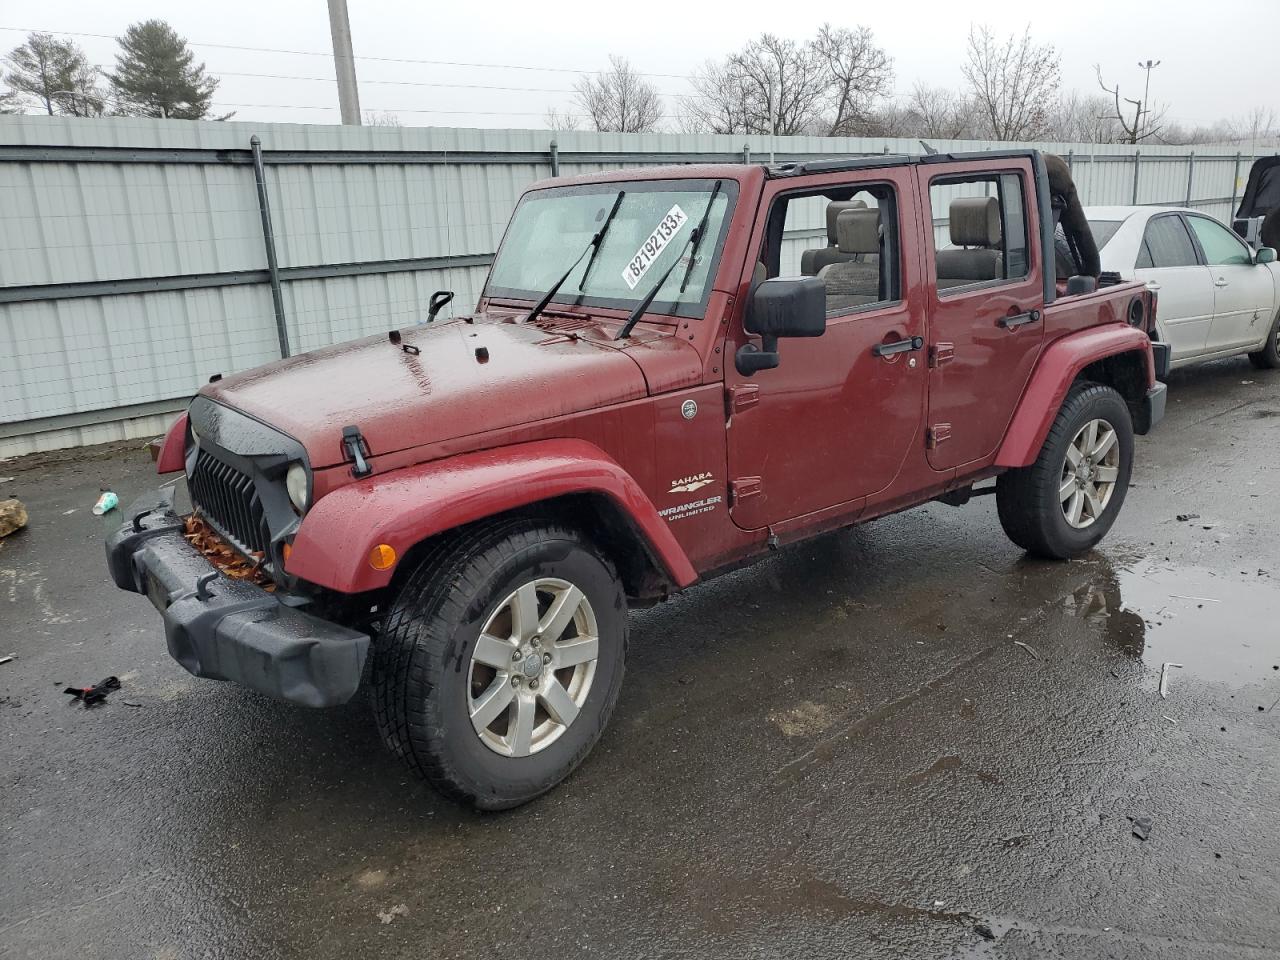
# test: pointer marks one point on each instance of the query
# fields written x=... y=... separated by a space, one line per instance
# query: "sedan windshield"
x=651 y=229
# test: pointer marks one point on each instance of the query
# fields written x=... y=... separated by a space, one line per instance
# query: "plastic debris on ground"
x=92 y=696
x=106 y=503
x=1141 y=827
x=399 y=910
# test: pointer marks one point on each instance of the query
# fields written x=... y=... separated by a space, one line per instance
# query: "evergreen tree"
x=53 y=73
x=156 y=77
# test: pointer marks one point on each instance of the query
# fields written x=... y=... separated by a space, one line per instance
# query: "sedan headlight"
x=295 y=482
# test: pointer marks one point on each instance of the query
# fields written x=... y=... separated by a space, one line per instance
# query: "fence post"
x=1191 y=172
x=1071 y=162
x=746 y=153
x=1137 y=166
x=1235 y=186
x=555 y=159
x=269 y=239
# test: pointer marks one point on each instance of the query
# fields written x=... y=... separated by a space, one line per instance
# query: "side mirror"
x=1265 y=255
x=437 y=303
x=781 y=307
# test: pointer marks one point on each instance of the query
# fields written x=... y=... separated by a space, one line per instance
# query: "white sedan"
x=1217 y=296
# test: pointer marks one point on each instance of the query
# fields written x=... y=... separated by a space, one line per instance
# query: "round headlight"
x=295 y=482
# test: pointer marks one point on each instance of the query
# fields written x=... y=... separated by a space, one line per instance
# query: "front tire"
x=1065 y=502
x=500 y=661
x=1268 y=358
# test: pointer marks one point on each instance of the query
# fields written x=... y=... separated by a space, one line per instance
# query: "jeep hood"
x=443 y=381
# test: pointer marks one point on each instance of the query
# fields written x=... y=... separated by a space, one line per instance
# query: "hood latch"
x=353 y=443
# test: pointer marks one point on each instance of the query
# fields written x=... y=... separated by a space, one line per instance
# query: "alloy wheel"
x=1089 y=473
x=532 y=667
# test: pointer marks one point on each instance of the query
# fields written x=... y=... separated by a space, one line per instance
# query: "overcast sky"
x=1208 y=72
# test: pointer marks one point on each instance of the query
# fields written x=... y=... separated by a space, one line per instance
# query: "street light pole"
x=344 y=63
x=1146 y=93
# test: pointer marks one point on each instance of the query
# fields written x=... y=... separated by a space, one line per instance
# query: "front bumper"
x=226 y=629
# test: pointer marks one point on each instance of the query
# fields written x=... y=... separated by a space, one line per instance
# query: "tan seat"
x=854 y=283
x=975 y=229
x=812 y=261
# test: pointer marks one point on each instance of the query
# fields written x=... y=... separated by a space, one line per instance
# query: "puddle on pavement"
x=1222 y=629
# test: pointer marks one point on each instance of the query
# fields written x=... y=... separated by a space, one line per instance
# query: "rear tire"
x=1268 y=358
x=1065 y=502
x=497 y=623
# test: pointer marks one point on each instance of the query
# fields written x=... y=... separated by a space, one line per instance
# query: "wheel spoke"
x=1104 y=445
x=1068 y=488
x=521 y=735
x=494 y=651
x=1108 y=474
x=1095 y=505
x=490 y=704
x=570 y=653
x=1090 y=435
x=1075 y=508
x=558 y=702
x=1074 y=456
x=560 y=614
x=524 y=613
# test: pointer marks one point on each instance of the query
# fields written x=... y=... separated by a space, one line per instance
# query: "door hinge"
x=941 y=353
x=744 y=487
x=742 y=396
x=936 y=434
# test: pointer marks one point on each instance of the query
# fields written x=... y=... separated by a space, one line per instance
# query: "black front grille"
x=228 y=500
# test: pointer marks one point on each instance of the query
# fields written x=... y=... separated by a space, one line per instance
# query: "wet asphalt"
x=904 y=740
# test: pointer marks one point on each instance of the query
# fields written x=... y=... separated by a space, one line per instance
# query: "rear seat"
x=812 y=261
x=854 y=283
x=975 y=227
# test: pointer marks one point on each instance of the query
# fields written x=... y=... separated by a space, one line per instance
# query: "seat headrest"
x=975 y=222
x=834 y=209
x=859 y=231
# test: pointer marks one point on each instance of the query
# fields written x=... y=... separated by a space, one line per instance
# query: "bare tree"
x=1146 y=121
x=619 y=100
x=858 y=74
x=939 y=113
x=773 y=85
x=560 y=119
x=1014 y=82
x=381 y=118
x=1077 y=118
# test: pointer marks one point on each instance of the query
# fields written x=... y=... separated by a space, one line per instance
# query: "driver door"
x=834 y=421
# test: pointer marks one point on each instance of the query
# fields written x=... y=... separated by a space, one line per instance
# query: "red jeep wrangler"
x=670 y=372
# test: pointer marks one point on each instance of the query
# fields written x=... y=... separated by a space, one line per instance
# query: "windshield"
x=651 y=228
x=1103 y=230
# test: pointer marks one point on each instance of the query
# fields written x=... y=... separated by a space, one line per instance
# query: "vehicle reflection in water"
x=1221 y=628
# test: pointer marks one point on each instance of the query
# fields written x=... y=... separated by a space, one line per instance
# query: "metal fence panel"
x=132 y=260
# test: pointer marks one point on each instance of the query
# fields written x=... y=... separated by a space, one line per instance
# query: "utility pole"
x=344 y=62
x=1146 y=94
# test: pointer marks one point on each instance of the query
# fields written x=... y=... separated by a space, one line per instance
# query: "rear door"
x=986 y=299
x=834 y=421
x=1169 y=264
x=1243 y=294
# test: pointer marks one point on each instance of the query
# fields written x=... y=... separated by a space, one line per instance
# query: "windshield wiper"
x=592 y=248
x=692 y=243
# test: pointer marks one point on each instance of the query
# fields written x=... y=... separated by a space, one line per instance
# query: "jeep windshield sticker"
x=656 y=242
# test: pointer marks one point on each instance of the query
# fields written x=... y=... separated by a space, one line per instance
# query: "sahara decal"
x=690 y=484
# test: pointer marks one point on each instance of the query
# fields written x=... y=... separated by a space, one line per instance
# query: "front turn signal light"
x=382 y=557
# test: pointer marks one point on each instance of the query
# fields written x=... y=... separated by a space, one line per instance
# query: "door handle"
x=1221 y=283
x=1019 y=320
x=897 y=346
x=1152 y=285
